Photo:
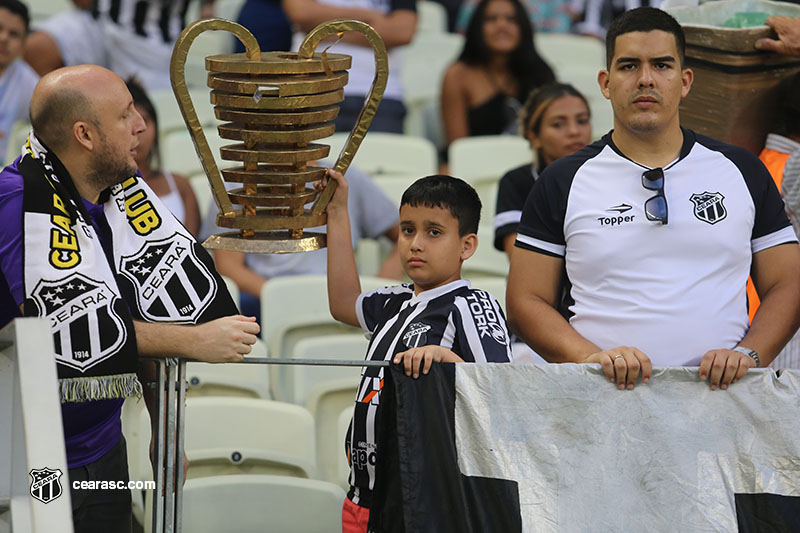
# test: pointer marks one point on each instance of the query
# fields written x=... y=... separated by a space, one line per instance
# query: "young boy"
x=438 y=317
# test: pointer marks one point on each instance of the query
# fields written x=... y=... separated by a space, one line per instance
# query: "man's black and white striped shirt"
x=163 y=19
x=468 y=321
x=673 y=290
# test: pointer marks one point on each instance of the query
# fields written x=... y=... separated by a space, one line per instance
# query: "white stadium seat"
x=227 y=435
x=254 y=504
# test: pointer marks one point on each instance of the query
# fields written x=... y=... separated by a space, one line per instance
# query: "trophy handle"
x=367 y=113
x=177 y=74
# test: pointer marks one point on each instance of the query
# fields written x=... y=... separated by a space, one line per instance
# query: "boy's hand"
x=425 y=355
x=339 y=200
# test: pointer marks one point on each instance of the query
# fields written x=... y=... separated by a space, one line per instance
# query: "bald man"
x=87 y=245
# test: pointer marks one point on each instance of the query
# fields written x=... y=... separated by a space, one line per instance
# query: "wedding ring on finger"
x=617 y=356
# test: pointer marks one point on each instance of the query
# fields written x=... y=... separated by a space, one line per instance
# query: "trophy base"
x=267 y=242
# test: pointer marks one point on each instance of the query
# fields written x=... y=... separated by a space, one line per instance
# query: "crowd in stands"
x=498 y=84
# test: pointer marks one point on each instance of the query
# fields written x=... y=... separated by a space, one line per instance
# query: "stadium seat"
x=234 y=290
x=394 y=186
x=254 y=504
x=178 y=153
x=326 y=401
x=16 y=140
x=326 y=347
x=371 y=253
x=336 y=382
x=431 y=17
x=424 y=63
x=227 y=435
x=169 y=114
x=389 y=154
x=235 y=379
x=202 y=191
x=294 y=306
x=564 y=50
x=487 y=260
x=136 y=429
x=342 y=462
x=481 y=161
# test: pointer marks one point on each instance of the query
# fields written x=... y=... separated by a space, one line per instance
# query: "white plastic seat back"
x=179 y=155
x=16 y=140
x=169 y=114
x=255 y=504
x=326 y=401
x=562 y=50
x=425 y=61
x=487 y=260
x=431 y=17
x=235 y=379
x=341 y=461
x=136 y=429
x=394 y=186
x=228 y=434
x=389 y=154
x=482 y=160
x=299 y=305
x=351 y=347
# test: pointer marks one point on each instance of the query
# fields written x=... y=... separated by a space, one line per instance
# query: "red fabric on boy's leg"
x=354 y=517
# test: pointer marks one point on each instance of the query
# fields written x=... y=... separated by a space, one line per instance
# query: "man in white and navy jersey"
x=133 y=38
x=439 y=317
x=656 y=228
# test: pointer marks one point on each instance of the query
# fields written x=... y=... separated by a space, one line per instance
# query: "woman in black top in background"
x=483 y=90
x=556 y=121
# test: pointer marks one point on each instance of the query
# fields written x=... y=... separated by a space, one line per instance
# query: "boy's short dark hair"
x=18 y=8
x=450 y=193
x=644 y=19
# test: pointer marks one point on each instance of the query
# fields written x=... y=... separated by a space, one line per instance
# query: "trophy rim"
x=267 y=242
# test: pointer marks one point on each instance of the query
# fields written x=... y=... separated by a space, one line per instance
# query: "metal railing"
x=168 y=438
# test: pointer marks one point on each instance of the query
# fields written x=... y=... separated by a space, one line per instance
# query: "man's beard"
x=108 y=167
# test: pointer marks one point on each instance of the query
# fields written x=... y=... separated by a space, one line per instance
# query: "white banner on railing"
x=557 y=448
x=671 y=455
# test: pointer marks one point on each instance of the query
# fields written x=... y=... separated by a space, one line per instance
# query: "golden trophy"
x=275 y=104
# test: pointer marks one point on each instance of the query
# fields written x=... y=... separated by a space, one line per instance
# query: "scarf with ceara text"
x=156 y=272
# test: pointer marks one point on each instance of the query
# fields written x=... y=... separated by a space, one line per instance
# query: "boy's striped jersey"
x=467 y=321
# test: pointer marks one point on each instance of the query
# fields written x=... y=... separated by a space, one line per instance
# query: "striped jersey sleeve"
x=376 y=307
x=541 y=228
x=511 y=195
x=479 y=330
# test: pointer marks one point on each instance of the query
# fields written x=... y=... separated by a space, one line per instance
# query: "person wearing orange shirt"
x=781 y=156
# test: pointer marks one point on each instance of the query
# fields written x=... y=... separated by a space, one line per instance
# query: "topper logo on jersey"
x=620 y=218
x=708 y=207
x=416 y=335
x=486 y=319
x=172 y=284
x=86 y=329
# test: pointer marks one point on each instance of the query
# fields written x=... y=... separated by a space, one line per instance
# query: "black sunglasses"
x=656 y=207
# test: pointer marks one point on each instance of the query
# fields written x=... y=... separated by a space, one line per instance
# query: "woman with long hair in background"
x=483 y=90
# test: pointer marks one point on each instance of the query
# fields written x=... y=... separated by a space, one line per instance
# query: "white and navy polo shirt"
x=468 y=321
x=674 y=291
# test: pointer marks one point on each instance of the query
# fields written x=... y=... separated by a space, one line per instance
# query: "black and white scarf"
x=156 y=272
